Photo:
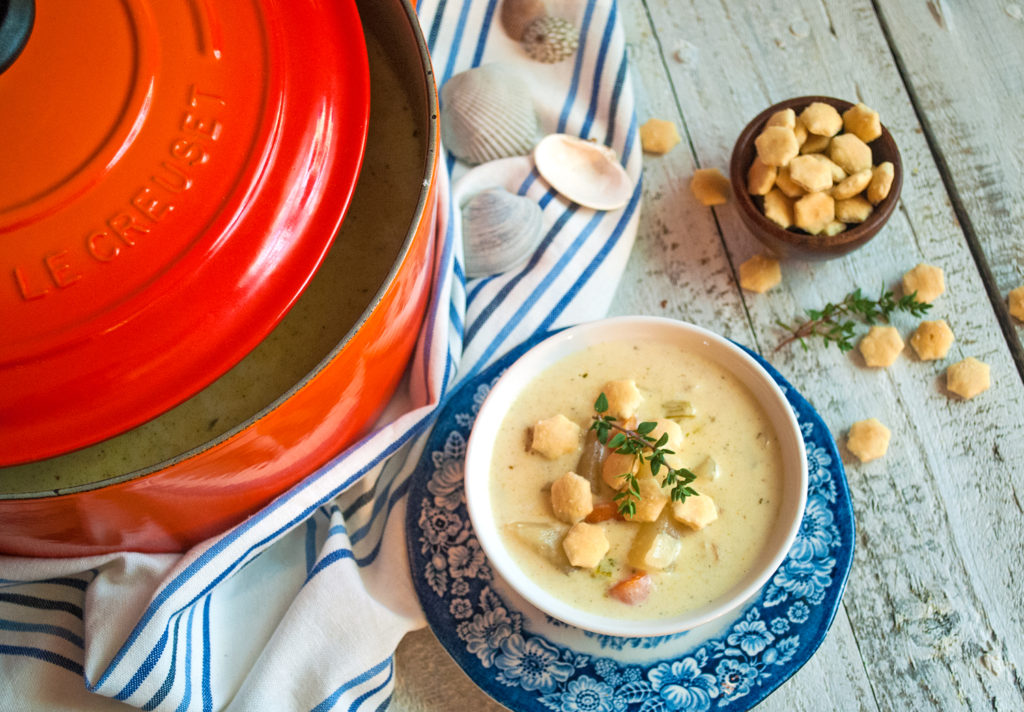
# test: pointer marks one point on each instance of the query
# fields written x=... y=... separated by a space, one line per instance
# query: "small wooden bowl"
x=794 y=242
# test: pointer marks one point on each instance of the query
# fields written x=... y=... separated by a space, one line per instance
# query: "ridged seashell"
x=516 y=15
x=551 y=39
x=487 y=113
x=583 y=171
x=500 y=230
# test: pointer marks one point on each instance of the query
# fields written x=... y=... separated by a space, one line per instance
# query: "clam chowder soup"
x=554 y=485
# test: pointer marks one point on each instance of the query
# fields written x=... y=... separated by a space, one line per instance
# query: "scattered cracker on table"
x=868 y=439
x=760 y=273
x=659 y=136
x=710 y=187
x=968 y=378
x=1015 y=299
x=927 y=280
x=881 y=346
x=932 y=340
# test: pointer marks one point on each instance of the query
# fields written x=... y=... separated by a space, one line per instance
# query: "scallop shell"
x=516 y=15
x=550 y=39
x=487 y=113
x=583 y=171
x=500 y=230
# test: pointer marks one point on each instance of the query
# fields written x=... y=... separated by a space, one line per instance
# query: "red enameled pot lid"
x=172 y=175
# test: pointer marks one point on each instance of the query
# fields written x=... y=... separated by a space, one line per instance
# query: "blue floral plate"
x=527 y=661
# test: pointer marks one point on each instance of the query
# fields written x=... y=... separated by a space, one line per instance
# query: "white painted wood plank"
x=678 y=267
x=834 y=679
x=930 y=594
x=964 y=66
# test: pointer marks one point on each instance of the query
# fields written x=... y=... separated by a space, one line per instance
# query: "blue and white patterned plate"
x=528 y=661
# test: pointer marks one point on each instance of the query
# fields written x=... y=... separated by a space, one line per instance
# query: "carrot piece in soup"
x=602 y=512
x=632 y=590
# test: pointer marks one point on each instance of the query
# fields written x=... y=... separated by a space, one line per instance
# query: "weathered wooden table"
x=933 y=614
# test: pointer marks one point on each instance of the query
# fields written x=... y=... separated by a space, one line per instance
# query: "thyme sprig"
x=836 y=323
x=641 y=444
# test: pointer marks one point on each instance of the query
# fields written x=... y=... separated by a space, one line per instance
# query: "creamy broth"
x=728 y=425
x=371 y=237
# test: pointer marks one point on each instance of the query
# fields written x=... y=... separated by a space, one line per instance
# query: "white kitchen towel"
x=301 y=606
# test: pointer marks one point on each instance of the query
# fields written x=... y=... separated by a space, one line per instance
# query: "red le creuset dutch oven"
x=169 y=207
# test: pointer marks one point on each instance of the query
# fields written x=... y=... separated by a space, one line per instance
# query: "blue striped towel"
x=302 y=606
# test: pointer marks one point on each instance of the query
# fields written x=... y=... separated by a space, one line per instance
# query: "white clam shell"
x=583 y=171
x=487 y=113
x=500 y=230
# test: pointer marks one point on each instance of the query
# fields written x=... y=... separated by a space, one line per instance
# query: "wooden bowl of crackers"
x=815 y=177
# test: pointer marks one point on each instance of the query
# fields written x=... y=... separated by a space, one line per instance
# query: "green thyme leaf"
x=639 y=442
x=836 y=323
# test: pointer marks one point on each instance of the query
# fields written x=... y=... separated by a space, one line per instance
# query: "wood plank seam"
x=997 y=300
